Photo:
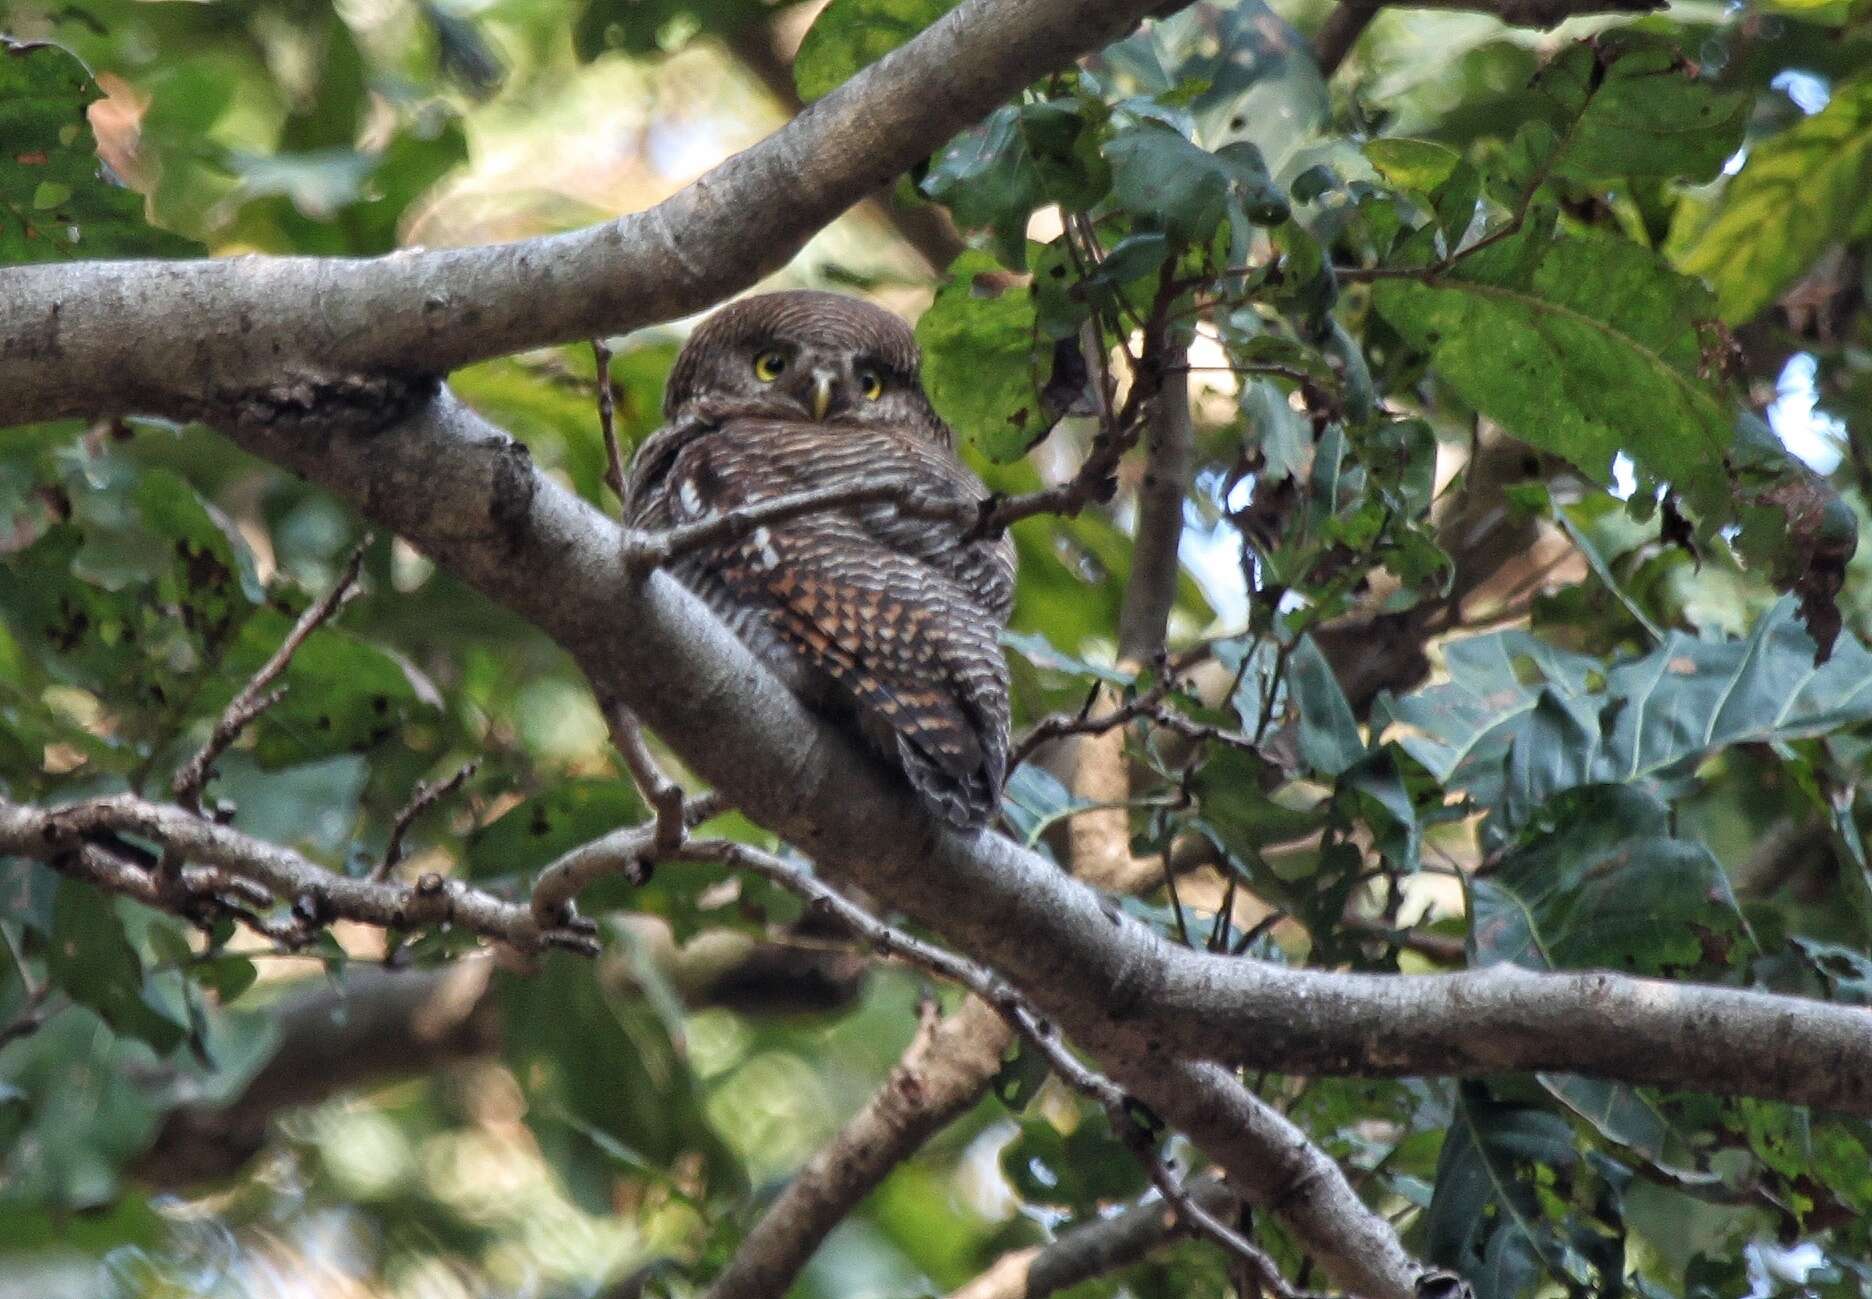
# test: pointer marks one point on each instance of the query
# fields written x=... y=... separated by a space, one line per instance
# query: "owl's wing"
x=911 y=651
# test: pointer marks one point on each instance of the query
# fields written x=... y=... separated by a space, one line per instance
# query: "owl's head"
x=831 y=358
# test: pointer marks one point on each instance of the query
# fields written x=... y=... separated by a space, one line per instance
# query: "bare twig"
x=238 y=871
x=1120 y=1109
x=33 y=1010
x=621 y=852
x=425 y=797
x=647 y=550
x=607 y=419
x=663 y=795
x=1057 y=726
x=255 y=697
x=1095 y=1249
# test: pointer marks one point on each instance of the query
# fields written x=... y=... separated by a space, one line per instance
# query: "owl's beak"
x=822 y=392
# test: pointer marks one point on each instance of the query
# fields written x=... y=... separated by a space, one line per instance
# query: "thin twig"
x=255 y=697
x=1057 y=726
x=32 y=1012
x=607 y=420
x=621 y=852
x=647 y=550
x=1120 y=1109
x=237 y=869
x=424 y=797
x=663 y=795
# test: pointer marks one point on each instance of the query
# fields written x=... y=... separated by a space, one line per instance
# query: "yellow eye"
x=768 y=365
x=871 y=384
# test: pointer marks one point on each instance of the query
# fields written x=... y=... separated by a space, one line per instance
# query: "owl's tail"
x=952 y=760
x=967 y=800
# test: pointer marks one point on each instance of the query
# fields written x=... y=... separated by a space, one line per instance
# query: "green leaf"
x=343 y=694
x=56 y=203
x=1799 y=192
x=1229 y=788
x=1490 y=1218
x=532 y=833
x=978 y=359
x=1041 y=652
x=1020 y=1076
x=85 y=1116
x=1330 y=741
x=1413 y=164
x=91 y=959
x=1520 y=722
x=602 y=1077
x=1631 y=104
x=226 y=976
x=652 y=27
x=1159 y=175
x=1035 y=799
x=1437 y=172
x=1583 y=346
x=1607 y=888
x=851 y=34
x=1076 y=1170
x=1021 y=157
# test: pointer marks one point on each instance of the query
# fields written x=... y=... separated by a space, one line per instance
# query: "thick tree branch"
x=1022 y=1017
x=761 y=49
x=473 y=500
x=275 y=337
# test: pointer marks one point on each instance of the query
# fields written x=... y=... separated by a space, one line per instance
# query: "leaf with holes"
x=977 y=344
x=57 y=203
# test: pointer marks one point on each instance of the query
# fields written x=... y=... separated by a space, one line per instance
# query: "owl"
x=886 y=622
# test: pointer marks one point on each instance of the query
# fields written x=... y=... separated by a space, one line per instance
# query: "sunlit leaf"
x=977 y=340
x=1798 y=192
x=848 y=34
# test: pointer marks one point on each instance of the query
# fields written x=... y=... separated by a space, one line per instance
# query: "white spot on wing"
x=690 y=498
x=763 y=541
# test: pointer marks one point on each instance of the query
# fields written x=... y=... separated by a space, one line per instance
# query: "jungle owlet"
x=882 y=620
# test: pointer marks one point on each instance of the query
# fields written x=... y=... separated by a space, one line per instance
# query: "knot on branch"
x=512 y=489
x=356 y=403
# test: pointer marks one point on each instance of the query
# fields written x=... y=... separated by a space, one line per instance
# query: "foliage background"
x=1676 y=221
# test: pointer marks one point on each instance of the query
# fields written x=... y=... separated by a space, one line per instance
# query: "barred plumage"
x=882 y=620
